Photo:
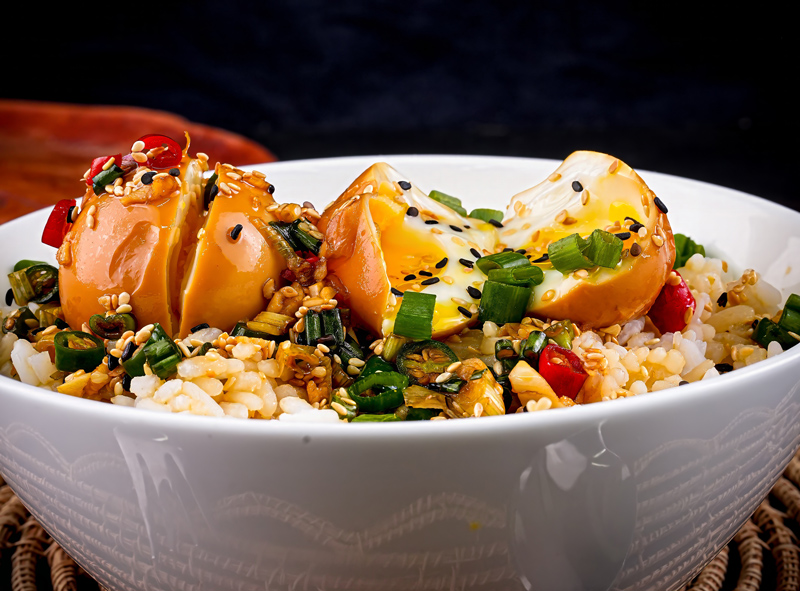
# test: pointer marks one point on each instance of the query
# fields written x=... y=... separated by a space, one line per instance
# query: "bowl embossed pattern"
x=636 y=494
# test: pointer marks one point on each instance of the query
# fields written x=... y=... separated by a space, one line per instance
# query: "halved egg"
x=181 y=265
x=385 y=236
x=589 y=191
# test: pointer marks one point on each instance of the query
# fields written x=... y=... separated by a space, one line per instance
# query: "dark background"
x=694 y=90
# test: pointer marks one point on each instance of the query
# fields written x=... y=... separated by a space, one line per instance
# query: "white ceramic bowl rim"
x=486 y=426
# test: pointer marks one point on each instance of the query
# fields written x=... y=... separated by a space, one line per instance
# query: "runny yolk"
x=408 y=251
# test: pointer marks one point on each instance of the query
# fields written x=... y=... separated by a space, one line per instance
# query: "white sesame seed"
x=124 y=309
x=139 y=157
x=443 y=377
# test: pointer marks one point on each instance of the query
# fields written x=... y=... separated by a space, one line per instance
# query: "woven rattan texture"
x=763 y=556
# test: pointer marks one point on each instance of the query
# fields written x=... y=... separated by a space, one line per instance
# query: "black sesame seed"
x=466 y=263
x=473 y=292
x=660 y=205
x=397 y=292
x=9 y=297
x=36 y=331
x=723 y=367
x=412 y=211
x=327 y=339
x=200 y=326
x=623 y=235
x=636 y=250
x=405 y=185
x=683 y=383
x=235 y=231
x=722 y=300
x=465 y=312
x=495 y=223
x=441 y=263
x=508 y=249
x=174 y=172
x=577 y=187
x=308 y=205
x=147 y=178
x=754 y=324
x=70 y=214
x=636 y=227
x=126 y=382
x=113 y=363
x=409 y=277
x=466 y=227
x=542 y=259
x=456 y=228
x=633 y=220
x=271 y=189
x=431 y=222
x=520 y=251
x=475 y=253
x=426 y=273
x=431 y=281
x=127 y=352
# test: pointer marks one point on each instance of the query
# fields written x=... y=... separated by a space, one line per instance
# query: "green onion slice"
x=768 y=331
x=453 y=203
x=25 y=263
x=487 y=214
x=604 y=249
x=502 y=303
x=415 y=316
x=106 y=177
x=522 y=276
x=561 y=333
x=532 y=347
x=502 y=260
x=372 y=418
x=76 y=350
x=572 y=252
x=21 y=287
x=793 y=302
x=790 y=320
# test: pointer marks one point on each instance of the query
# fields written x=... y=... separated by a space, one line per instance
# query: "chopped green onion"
x=790 y=320
x=572 y=252
x=532 y=348
x=415 y=316
x=416 y=414
x=349 y=350
x=105 y=177
x=502 y=303
x=375 y=364
x=522 y=276
x=487 y=215
x=502 y=260
x=76 y=350
x=391 y=346
x=313 y=330
x=604 y=249
x=332 y=325
x=561 y=333
x=243 y=329
x=25 y=263
x=113 y=326
x=453 y=203
x=793 y=302
x=163 y=357
x=419 y=397
x=21 y=286
x=306 y=236
x=270 y=323
x=685 y=247
x=767 y=331
x=372 y=418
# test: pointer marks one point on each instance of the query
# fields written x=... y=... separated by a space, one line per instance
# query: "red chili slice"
x=57 y=224
x=171 y=154
x=99 y=163
x=563 y=370
x=668 y=312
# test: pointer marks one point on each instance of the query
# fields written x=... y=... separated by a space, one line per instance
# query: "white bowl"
x=631 y=494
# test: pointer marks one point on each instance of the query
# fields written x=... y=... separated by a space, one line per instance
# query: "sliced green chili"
x=423 y=361
x=113 y=326
x=391 y=397
x=76 y=350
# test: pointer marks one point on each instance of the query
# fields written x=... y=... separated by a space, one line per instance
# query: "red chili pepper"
x=563 y=370
x=288 y=275
x=99 y=163
x=57 y=224
x=668 y=312
x=171 y=154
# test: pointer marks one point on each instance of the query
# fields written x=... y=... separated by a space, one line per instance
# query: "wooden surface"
x=45 y=148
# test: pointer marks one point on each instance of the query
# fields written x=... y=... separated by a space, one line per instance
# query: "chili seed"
x=473 y=292
x=465 y=312
x=660 y=205
x=466 y=263
x=397 y=292
x=430 y=281
x=174 y=172
x=9 y=297
x=147 y=178
x=577 y=187
x=441 y=263
x=405 y=185
x=235 y=231
x=412 y=211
